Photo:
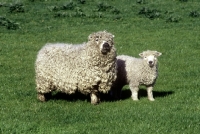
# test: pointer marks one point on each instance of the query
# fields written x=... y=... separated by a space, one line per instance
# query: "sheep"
x=89 y=68
x=136 y=72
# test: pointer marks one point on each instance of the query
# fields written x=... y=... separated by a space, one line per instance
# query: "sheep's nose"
x=150 y=62
x=106 y=46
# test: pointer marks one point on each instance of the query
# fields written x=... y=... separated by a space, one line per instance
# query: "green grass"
x=171 y=27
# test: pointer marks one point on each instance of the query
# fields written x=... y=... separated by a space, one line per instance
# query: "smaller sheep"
x=136 y=72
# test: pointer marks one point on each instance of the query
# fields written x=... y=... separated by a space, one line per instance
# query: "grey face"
x=104 y=41
x=105 y=47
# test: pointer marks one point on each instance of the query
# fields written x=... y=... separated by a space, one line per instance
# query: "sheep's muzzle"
x=151 y=63
x=105 y=48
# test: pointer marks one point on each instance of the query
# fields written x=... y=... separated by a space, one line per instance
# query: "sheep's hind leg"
x=150 y=93
x=41 y=97
x=44 y=96
x=94 y=98
x=44 y=89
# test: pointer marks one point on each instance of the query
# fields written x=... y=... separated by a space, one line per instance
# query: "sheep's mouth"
x=105 y=48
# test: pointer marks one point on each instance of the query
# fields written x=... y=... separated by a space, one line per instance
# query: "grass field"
x=171 y=27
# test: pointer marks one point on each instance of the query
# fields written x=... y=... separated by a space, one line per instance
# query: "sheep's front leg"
x=150 y=93
x=134 y=91
x=94 y=98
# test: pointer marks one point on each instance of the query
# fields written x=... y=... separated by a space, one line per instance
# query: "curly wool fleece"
x=88 y=68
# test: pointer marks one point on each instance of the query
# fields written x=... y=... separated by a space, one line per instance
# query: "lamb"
x=89 y=68
x=136 y=72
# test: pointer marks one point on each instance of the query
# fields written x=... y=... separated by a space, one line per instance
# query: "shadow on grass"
x=77 y=96
x=72 y=97
x=126 y=94
x=143 y=93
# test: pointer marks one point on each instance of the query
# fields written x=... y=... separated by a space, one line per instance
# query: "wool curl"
x=86 y=68
x=135 y=72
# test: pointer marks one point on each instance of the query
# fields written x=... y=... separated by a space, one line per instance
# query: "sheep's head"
x=150 y=57
x=103 y=40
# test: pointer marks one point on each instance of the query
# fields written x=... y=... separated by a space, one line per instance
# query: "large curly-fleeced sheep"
x=89 y=68
x=135 y=72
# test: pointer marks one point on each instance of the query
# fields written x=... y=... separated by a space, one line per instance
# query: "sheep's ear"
x=141 y=55
x=113 y=36
x=158 y=53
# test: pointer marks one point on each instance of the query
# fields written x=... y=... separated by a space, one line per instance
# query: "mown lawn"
x=170 y=27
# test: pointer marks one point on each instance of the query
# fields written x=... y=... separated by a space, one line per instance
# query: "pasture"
x=171 y=27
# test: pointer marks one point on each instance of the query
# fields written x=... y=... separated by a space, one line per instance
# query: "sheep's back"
x=60 y=56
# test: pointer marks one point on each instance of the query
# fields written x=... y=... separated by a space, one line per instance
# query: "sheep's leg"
x=44 y=96
x=150 y=93
x=94 y=98
x=41 y=97
x=134 y=91
x=44 y=89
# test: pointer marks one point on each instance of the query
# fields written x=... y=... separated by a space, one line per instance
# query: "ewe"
x=89 y=68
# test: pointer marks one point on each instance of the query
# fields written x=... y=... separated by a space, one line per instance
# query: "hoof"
x=94 y=103
x=151 y=99
x=94 y=99
x=41 y=97
x=135 y=99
